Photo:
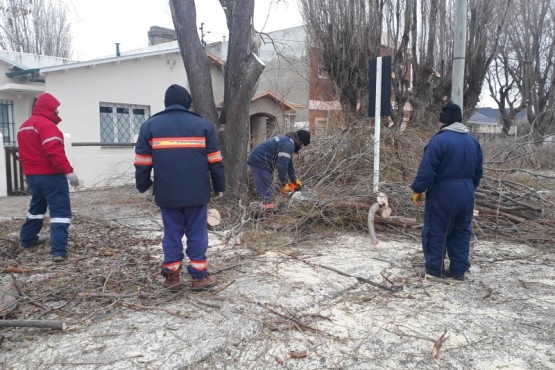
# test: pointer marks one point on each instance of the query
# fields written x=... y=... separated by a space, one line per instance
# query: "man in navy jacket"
x=183 y=150
x=276 y=152
x=449 y=173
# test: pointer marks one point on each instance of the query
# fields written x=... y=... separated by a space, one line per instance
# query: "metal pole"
x=459 y=51
x=377 y=123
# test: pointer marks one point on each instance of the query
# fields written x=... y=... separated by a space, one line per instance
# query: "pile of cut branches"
x=513 y=203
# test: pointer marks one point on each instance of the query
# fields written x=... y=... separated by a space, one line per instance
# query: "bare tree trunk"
x=242 y=71
x=197 y=66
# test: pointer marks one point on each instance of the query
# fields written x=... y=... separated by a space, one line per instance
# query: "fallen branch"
x=361 y=279
x=45 y=324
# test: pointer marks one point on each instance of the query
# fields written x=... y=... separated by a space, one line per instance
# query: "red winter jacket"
x=41 y=143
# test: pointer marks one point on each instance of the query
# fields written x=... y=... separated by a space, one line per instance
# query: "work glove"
x=285 y=189
x=73 y=180
x=298 y=184
x=418 y=199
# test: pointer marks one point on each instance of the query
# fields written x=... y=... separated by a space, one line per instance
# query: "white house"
x=104 y=102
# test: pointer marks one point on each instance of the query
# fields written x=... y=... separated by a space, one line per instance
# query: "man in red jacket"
x=47 y=170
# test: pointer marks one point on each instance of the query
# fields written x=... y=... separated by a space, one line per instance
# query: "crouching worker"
x=276 y=152
x=183 y=150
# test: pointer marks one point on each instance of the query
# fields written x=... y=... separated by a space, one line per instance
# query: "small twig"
x=24 y=296
x=295 y=321
x=224 y=287
x=145 y=308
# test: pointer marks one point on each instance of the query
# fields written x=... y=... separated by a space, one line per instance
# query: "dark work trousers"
x=447 y=226
x=191 y=222
x=52 y=192
x=263 y=180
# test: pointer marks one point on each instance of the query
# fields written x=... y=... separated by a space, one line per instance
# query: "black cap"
x=176 y=94
x=451 y=113
x=304 y=136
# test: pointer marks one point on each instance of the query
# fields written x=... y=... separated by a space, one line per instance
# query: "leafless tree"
x=242 y=71
x=38 y=27
x=526 y=60
x=419 y=36
x=346 y=35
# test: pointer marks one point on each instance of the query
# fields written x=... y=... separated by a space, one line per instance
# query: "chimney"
x=117 y=50
x=159 y=35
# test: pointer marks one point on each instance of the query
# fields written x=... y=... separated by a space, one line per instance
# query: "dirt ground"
x=284 y=300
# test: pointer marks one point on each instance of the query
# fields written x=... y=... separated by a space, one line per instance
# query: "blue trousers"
x=263 y=180
x=447 y=227
x=191 y=222
x=52 y=192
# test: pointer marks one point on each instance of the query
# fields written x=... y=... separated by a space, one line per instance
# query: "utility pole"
x=201 y=28
x=459 y=52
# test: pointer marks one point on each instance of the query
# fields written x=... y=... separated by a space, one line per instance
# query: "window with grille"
x=120 y=123
x=7 y=125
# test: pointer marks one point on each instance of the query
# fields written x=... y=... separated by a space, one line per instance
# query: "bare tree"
x=242 y=71
x=523 y=73
x=35 y=26
x=484 y=35
x=346 y=35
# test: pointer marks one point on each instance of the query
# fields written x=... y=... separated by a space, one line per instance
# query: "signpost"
x=379 y=104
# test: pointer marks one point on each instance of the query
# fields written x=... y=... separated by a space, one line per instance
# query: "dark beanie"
x=176 y=94
x=451 y=113
x=304 y=137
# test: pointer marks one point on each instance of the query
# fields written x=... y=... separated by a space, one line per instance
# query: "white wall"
x=3 y=179
x=141 y=81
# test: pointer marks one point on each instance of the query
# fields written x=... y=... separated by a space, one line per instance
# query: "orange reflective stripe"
x=144 y=160
x=177 y=142
x=268 y=206
x=172 y=266
x=215 y=157
x=199 y=265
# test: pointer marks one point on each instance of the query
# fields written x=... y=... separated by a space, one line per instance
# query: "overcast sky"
x=98 y=24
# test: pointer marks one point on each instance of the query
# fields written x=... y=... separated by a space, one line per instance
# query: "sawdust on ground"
x=326 y=301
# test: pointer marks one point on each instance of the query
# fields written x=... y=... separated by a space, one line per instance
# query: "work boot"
x=173 y=279
x=58 y=259
x=201 y=284
x=449 y=274
x=37 y=242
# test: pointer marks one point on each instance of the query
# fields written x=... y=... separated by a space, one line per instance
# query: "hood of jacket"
x=46 y=106
x=457 y=127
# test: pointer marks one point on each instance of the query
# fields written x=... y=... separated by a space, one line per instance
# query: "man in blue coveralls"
x=183 y=150
x=276 y=152
x=449 y=173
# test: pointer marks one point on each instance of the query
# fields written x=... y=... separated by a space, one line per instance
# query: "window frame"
x=121 y=122
x=8 y=125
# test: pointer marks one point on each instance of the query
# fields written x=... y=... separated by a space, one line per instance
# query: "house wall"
x=80 y=90
x=286 y=72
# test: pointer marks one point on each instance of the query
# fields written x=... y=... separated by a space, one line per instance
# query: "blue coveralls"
x=264 y=158
x=48 y=191
x=449 y=173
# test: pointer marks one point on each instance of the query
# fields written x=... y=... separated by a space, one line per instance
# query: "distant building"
x=486 y=121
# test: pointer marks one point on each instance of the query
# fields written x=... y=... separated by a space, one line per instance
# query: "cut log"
x=9 y=296
x=382 y=199
x=45 y=324
x=385 y=212
x=214 y=217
